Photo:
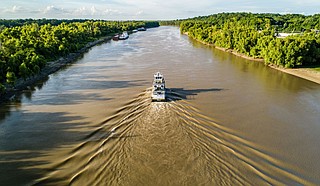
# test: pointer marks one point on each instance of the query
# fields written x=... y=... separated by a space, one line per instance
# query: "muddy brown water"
x=227 y=120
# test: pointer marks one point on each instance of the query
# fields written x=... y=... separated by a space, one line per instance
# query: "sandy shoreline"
x=50 y=68
x=305 y=73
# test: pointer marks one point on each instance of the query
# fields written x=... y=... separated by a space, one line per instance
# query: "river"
x=227 y=121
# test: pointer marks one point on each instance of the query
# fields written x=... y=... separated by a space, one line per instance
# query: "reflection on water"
x=227 y=121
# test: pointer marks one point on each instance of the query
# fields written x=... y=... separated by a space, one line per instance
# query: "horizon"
x=147 y=10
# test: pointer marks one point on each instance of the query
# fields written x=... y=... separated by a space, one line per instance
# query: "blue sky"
x=147 y=9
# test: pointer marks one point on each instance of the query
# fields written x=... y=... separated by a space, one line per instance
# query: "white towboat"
x=158 y=88
x=142 y=29
x=124 y=36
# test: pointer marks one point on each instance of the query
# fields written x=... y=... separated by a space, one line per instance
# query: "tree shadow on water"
x=176 y=94
x=25 y=141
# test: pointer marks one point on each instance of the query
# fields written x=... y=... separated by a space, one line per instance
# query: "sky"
x=147 y=9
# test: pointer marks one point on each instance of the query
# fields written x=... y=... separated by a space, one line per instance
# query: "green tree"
x=11 y=78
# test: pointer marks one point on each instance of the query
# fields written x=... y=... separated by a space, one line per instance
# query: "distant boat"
x=159 y=88
x=115 y=37
x=134 y=31
x=142 y=29
x=124 y=36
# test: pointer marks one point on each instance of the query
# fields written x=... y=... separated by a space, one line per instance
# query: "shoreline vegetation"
x=50 y=68
x=290 y=42
x=305 y=73
x=31 y=52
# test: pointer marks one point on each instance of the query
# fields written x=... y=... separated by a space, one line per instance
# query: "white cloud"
x=13 y=9
x=109 y=11
x=80 y=11
x=93 y=10
x=53 y=10
x=139 y=12
x=146 y=9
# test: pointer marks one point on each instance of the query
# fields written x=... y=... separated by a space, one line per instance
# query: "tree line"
x=280 y=22
x=255 y=35
x=54 y=22
x=25 y=49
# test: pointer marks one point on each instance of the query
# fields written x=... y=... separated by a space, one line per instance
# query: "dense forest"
x=26 y=45
x=255 y=35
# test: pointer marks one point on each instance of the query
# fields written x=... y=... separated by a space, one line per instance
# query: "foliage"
x=255 y=35
x=25 y=49
x=170 y=22
x=151 y=24
x=2 y=88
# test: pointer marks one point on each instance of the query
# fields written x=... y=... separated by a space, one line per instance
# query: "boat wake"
x=165 y=143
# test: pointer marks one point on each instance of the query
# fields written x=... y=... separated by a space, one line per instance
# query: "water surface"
x=227 y=121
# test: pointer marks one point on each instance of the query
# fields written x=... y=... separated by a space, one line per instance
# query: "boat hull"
x=115 y=38
x=123 y=37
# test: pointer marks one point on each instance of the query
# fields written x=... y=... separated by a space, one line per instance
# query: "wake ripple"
x=166 y=143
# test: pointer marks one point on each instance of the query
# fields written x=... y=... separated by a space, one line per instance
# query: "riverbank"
x=50 y=68
x=305 y=73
